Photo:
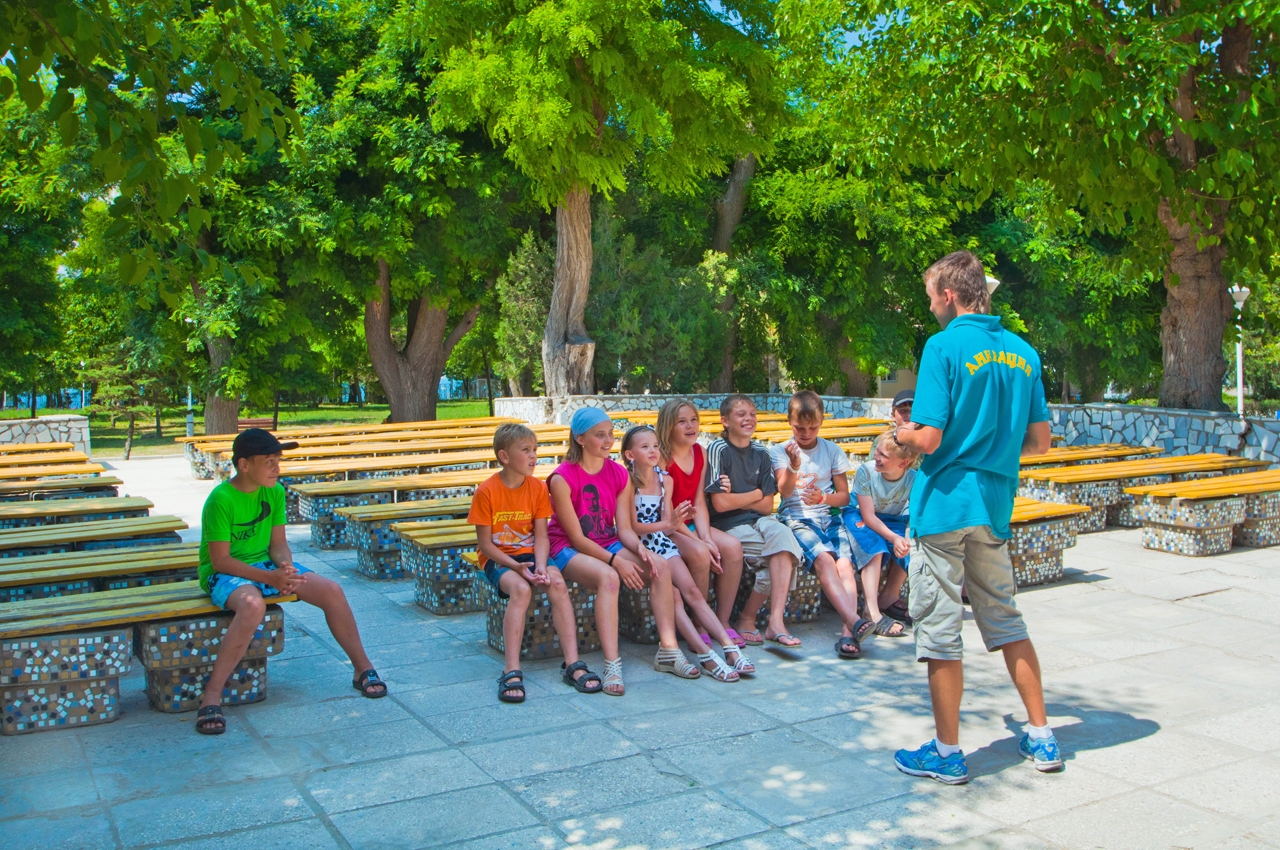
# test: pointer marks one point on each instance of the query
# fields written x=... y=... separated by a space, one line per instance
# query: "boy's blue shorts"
x=493 y=572
x=221 y=585
x=561 y=559
x=867 y=544
x=814 y=539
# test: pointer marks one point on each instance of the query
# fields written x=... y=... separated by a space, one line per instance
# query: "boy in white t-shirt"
x=812 y=479
x=877 y=523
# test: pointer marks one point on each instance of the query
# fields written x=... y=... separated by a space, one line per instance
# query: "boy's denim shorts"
x=221 y=585
x=867 y=544
x=493 y=572
x=814 y=539
x=561 y=559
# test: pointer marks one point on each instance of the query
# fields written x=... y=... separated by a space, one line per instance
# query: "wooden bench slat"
x=392 y=510
x=1031 y=510
x=1061 y=455
x=1137 y=468
x=43 y=459
x=36 y=448
x=128 y=597
x=72 y=507
x=425 y=481
x=435 y=526
x=52 y=485
x=374 y=428
x=71 y=619
x=77 y=532
x=464 y=438
x=374 y=464
x=1248 y=483
x=63 y=560
x=47 y=471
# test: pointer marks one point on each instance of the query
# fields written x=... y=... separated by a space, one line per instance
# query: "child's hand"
x=628 y=573
x=537 y=577
x=285 y=578
x=715 y=556
x=726 y=486
x=792 y=448
x=684 y=512
x=812 y=496
x=901 y=547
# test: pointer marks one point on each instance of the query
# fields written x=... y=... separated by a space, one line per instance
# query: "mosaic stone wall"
x=66 y=657
x=58 y=705
x=540 y=639
x=804 y=603
x=48 y=429
x=1177 y=432
x=1187 y=541
x=636 y=622
x=1257 y=533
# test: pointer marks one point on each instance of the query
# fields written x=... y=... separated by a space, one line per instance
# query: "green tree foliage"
x=523 y=298
x=1151 y=120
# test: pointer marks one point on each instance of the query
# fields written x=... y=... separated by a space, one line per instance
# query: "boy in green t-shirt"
x=245 y=560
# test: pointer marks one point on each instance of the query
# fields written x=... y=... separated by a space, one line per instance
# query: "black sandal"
x=898 y=611
x=580 y=683
x=848 y=647
x=209 y=720
x=862 y=628
x=368 y=684
x=505 y=684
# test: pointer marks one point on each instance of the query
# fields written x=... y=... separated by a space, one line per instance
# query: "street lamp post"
x=1239 y=294
x=191 y=417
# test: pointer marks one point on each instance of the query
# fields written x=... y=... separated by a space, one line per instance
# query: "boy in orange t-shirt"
x=510 y=512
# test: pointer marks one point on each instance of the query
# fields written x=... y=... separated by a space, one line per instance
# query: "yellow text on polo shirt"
x=1008 y=358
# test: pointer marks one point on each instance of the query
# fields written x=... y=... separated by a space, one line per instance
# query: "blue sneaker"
x=1042 y=751
x=926 y=762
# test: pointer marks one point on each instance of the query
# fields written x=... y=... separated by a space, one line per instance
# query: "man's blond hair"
x=962 y=273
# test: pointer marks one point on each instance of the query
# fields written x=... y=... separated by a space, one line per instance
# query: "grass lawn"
x=108 y=442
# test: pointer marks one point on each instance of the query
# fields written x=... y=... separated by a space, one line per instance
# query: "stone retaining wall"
x=1178 y=432
x=48 y=429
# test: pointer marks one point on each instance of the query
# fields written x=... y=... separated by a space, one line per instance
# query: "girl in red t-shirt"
x=705 y=550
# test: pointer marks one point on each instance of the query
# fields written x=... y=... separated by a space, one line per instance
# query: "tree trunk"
x=410 y=377
x=33 y=401
x=1194 y=319
x=159 y=432
x=221 y=413
x=128 y=439
x=275 y=414
x=729 y=209
x=567 y=351
x=521 y=384
x=856 y=383
x=488 y=381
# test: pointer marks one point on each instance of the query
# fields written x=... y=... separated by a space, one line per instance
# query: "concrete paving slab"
x=433 y=821
x=1140 y=820
x=241 y=805
x=697 y=819
x=371 y=783
x=906 y=820
x=85 y=830
x=300 y=835
x=598 y=787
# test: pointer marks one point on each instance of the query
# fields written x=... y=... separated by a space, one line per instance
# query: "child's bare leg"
x=687 y=629
x=519 y=593
x=702 y=614
x=661 y=597
x=825 y=566
x=562 y=615
x=249 y=608
x=870 y=575
x=892 y=586
x=750 y=609
x=327 y=595
x=600 y=579
x=728 y=581
x=697 y=558
x=780 y=567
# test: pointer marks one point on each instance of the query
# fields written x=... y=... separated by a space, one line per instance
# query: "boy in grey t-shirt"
x=877 y=523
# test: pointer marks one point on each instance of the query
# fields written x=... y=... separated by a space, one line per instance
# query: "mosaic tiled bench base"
x=1036 y=538
x=1207 y=513
x=76 y=657
x=449 y=597
x=1091 y=493
x=293 y=511
x=312 y=508
x=147 y=579
x=379 y=565
x=171 y=644
x=540 y=639
x=1037 y=568
x=804 y=604
x=87 y=493
x=636 y=622
x=437 y=493
x=329 y=534
x=1257 y=533
x=437 y=563
x=47 y=591
x=1181 y=540
x=31 y=522
x=176 y=690
x=1262 y=506
x=58 y=705
x=130 y=542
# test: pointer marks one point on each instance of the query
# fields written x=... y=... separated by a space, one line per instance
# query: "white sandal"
x=673 y=661
x=722 y=672
x=613 y=678
x=743 y=665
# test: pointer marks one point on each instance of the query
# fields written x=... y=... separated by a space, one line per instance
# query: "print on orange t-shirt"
x=510 y=512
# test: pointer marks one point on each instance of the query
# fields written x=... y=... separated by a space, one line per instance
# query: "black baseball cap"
x=904 y=397
x=252 y=442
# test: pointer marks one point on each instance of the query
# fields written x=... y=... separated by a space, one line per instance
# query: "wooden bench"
x=410 y=464
x=1041 y=531
x=49 y=512
x=1101 y=486
x=87 y=487
x=1207 y=517
x=369 y=530
x=61 y=658
x=34 y=448
x=1100 y=453
x=42 y=576
x=97 y=534
x=43 y=459
x=264 y=422
x=68 y=470
x=834 y=433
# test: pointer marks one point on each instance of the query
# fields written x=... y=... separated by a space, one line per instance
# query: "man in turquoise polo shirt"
x=979 y=405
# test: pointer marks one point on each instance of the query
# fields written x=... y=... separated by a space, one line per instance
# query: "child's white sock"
x=1039 y=733
x=946 y=750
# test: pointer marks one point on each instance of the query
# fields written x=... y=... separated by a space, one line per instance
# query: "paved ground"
x=1162 y=679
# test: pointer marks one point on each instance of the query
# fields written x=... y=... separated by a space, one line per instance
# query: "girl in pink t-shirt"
x=705 y=550
x=588 y=491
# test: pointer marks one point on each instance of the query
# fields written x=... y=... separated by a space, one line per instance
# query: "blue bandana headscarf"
x=586 y=418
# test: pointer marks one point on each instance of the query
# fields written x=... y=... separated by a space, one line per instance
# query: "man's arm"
x=1038 y=439
x=923 y=438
